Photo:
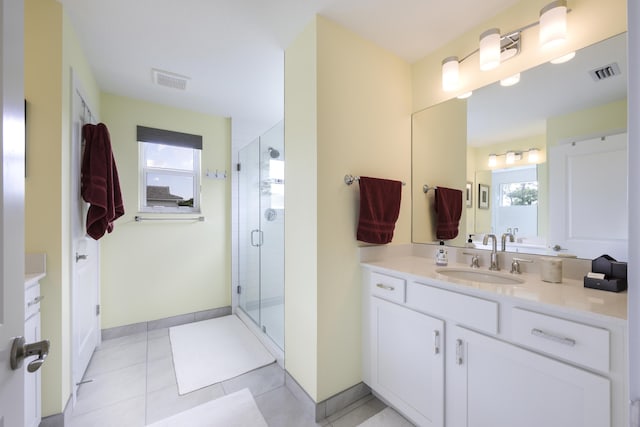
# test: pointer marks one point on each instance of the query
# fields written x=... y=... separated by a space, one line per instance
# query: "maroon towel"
x=100 y=185
x=379 y=209
x=448 y=211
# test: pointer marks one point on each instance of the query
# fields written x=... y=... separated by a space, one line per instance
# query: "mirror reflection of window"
x=515 y=202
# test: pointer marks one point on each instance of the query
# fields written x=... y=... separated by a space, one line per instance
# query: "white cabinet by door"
x=32 y=381
x=502 y=385
x=407 y=361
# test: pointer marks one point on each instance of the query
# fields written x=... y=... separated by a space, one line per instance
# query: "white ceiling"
x=233 y=50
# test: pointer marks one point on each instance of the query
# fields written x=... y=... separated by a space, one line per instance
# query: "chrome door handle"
x=20 y=351
x=81 y=256
x=260 y=237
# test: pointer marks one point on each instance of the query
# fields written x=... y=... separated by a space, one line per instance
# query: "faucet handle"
x=475 y=260
x=515 y=264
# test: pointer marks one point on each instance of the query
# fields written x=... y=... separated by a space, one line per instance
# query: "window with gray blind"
x=169 y=170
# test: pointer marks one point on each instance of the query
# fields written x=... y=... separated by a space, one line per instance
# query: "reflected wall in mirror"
x=554 y=106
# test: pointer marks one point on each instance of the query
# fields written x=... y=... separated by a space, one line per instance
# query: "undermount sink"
x=483 y=276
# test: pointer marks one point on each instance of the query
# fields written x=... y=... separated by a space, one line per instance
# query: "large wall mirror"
x=544 y=159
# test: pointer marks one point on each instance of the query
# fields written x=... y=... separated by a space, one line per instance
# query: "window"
x=169 y=171
x=519 y=194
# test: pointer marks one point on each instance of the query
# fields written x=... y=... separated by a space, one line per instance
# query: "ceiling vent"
x=605 y=72
x=172 y=80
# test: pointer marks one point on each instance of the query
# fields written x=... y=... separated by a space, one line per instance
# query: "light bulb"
x=490 y=49
x=553 y=23
x=450 y=73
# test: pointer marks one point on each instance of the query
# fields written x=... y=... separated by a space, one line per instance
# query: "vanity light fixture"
x=510 y=81
x=493 y=160
x=490 y=49
x=511 y=157
x=495 y=49
x=450 y=74
x=533 y=155
x=553 y=23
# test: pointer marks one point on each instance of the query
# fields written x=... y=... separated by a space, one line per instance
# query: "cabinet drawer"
x=575 y=342
x=473 y=312
x=32 y=301
x=388 y=287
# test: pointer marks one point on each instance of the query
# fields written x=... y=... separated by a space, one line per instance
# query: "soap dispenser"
x=470 y=243
x=441 y=255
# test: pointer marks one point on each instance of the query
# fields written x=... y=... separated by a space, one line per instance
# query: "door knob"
x=20 y=351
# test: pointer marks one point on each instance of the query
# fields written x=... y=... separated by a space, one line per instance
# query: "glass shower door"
x=261 y=232
x=249 y=230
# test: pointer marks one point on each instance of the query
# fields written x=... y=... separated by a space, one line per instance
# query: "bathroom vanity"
x=478 y=348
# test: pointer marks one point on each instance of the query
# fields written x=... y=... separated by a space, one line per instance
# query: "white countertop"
x=570 y=294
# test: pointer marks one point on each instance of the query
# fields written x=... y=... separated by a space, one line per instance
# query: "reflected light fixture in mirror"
x=564 y=58
x=533 y=155
x=511 y=80
x=553 y=24
x=493 y=160
x=465 y=95
x=450 y=73
x=490 y=49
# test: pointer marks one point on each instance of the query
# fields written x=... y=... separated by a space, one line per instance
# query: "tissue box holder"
x=611 y=285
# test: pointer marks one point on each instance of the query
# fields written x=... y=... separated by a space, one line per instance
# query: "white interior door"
x=85 y=320
x=590 y=191
x=11 y=207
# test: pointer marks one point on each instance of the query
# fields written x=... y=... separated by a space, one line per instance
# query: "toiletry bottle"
x=441 y=255
x=470 y=243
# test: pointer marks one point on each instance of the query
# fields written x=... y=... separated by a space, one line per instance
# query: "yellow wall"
x=301 y=207
x=349 y=101
x=51 y=50
x=589 y=21
x=152 y=270
x=585 y=124
x=439 y=158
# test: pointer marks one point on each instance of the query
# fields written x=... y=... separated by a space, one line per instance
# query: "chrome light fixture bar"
x=494 y=49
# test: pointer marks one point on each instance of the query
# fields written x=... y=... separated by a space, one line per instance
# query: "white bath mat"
x=386 y=418
x=233 y=410
x=214 y=350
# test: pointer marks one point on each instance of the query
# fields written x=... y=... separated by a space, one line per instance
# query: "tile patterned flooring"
x=133 y=384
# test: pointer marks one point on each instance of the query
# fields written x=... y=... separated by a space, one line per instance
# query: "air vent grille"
x=172 y=80
x=605 y=72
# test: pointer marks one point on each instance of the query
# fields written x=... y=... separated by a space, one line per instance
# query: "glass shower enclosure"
x=261 y=232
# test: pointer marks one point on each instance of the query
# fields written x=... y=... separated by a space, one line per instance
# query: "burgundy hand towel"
x=379 y=209
x=448 y=211
x=100 y=186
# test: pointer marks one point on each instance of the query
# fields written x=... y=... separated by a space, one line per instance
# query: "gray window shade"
x=168 y=137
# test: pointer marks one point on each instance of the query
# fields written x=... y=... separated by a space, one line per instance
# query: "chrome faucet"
x=494 y=250
x=504 y=240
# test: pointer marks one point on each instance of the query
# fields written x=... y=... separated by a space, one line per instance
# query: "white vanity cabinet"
x=32 y=381
x=447 y=356
x=500 y=384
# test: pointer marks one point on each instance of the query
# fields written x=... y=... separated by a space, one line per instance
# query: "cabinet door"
x=407 y=361
x=32 y=380
x=502 y=385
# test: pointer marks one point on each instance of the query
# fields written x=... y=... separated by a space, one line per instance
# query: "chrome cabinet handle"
x=81 y=256
x=562 y=340
x=459 y=351
x=35 y=301
x=436 y=342
x=385 y=287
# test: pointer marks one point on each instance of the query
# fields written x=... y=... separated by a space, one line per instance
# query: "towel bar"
x=141 y=218
x=350 y=179
x=426 y=188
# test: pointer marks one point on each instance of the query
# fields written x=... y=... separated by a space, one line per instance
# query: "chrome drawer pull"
x=386 y=287
x=562 y=340
x=459 y=351
x=436 y=342
x=35 y=301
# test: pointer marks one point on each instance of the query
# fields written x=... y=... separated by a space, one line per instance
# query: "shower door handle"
x=260 y=237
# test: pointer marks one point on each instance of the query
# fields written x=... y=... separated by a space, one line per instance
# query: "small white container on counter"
x=551 y=270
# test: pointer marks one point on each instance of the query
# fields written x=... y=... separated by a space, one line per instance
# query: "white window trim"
x=143 y=170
